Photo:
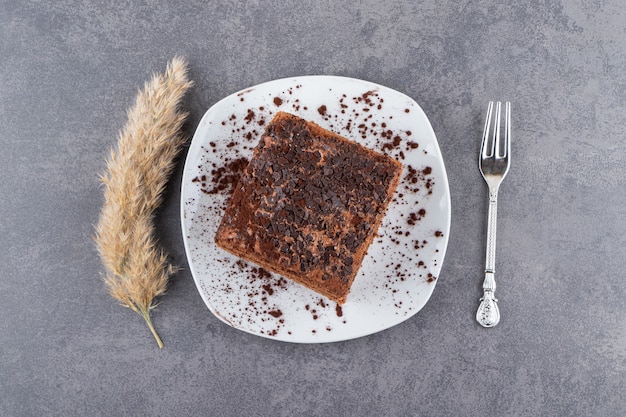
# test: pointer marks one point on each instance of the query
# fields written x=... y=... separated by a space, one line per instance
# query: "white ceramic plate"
x=401 y=268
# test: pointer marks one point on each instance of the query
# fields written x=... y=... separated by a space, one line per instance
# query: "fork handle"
x=488 y=314
x=490 y=258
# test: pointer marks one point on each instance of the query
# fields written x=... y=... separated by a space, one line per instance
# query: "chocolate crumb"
x=226 y=177
x=275 y=313
x=250 y=116
x=339 y=310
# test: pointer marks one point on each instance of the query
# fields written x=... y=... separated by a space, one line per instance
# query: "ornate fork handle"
x=488 y=314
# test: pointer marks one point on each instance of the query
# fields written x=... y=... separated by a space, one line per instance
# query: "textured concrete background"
x=69 y=70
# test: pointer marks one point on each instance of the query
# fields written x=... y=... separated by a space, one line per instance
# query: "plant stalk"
x=145 y=313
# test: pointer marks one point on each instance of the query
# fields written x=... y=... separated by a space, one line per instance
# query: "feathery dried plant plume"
x=137 y=268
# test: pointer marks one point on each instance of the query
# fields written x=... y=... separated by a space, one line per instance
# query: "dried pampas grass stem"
x=138 y=169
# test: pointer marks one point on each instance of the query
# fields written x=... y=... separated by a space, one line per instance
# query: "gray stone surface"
x=68 y=71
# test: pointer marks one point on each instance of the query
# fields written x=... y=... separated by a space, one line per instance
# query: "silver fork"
x=494 y=164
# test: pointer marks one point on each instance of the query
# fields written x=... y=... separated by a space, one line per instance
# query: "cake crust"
x=308 y=205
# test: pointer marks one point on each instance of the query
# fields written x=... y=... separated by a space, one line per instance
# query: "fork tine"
x=484 y=144
x=507 y=129
x=496 y=132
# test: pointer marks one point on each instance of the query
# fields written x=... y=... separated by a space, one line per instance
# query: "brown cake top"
x=309 y=199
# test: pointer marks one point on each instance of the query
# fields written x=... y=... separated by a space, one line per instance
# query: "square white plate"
x=401 y=267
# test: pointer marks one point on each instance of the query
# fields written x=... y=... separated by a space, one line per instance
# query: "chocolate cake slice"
x=308 y=205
